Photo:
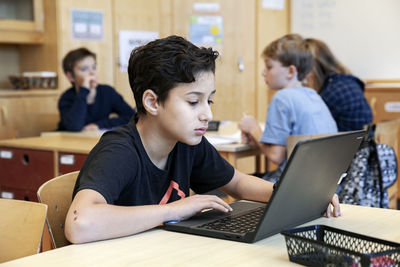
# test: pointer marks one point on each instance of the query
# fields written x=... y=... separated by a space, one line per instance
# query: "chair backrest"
x=57 y=194
x=292 y=140
x=21 y=228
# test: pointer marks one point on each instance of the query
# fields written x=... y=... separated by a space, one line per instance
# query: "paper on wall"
x=129 y=40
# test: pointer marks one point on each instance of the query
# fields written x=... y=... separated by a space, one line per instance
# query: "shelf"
x=32 y=92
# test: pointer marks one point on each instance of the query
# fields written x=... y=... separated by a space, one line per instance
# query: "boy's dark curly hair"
x=162 y=64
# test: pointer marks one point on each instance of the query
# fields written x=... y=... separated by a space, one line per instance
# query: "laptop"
x=305 y=189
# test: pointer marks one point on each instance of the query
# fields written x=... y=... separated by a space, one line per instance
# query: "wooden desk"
x=163 y=248
x=26 y=163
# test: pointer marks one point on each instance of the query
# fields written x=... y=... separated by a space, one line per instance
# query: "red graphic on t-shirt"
x=173 y=185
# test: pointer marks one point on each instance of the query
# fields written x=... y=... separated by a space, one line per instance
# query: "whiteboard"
x=363 y=34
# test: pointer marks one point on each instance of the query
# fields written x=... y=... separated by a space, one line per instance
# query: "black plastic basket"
x=320 y=245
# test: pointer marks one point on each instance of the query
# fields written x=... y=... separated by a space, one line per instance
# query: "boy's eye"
x=193 y=103
x=210 y=101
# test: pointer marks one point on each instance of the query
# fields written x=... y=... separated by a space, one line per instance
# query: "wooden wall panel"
x=103 y=49
x=9 y=64
x=271 y=24
x=28 y=115
x=139 y=15
x=235 y=88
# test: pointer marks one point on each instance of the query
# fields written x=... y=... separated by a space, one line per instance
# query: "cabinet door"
x=384 y=102
x=17 y=193
x=25 y=169
x=21 y=21
x=28 y=115
x=68 y=162
x=235 y=74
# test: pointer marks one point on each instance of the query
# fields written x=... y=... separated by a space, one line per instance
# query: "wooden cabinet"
x=27 y=113
x=21 y=21
x=70 y=162
x=24 y=171
x=384 y=100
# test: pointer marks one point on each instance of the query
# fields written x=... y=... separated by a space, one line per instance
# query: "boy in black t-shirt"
x=138 y=176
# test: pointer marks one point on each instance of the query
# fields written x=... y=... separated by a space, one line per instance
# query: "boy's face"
x=85 y=73
x=185 y=114
x=275 y=75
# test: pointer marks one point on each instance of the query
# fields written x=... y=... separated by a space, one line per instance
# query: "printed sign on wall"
x=206 y=30
x=129 y=40
x=87 y=25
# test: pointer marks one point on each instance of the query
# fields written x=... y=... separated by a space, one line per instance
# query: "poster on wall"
x=206 y=31
x=87 y=25
x=129 y=40
x=273 y=4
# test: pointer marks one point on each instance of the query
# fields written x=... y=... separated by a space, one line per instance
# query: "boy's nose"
x=264 y=72
x=206 y=114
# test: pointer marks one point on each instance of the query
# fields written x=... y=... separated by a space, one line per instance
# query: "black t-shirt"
x=119 y=169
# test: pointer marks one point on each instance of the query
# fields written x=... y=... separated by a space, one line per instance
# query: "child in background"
x=294 y=109
x=139 y=175
x=87 y=105
x=342 y=92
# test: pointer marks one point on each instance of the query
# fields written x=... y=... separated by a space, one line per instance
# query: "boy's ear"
x=70 y=76
x=310 y=78
x=150 y=102
x=292 y=71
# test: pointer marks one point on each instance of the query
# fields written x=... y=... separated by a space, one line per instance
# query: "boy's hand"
x=248 y=139
x=187 y=207
x=89 y=82
x=336 y=207
x=245 y=137
x=90 y=127
x=247 y=123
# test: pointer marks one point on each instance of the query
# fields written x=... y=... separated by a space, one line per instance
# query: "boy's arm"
x=253 y=132
x=72 y=107
x=244 y=186
x=118 y=106
x=90 y=218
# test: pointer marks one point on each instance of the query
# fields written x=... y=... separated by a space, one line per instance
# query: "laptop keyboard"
x=240 y=224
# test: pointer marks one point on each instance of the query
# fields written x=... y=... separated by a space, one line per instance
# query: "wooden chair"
x=292 y=140
x=21 y=228
x=57 y=194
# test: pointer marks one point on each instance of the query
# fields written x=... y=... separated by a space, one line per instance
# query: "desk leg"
x=260 y=167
